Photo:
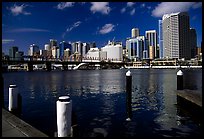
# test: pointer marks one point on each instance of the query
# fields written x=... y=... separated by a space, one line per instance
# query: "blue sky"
x=25 y=23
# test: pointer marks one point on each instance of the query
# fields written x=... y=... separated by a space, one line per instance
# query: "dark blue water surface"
x=99 y=101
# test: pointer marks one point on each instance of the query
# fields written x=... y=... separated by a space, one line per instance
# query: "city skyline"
x=26 y=23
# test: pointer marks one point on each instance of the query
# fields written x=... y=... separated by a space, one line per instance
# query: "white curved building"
x=114 y=51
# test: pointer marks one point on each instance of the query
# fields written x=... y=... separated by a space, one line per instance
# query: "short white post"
x=179 y=80
x=64 y=113
x=13 y=98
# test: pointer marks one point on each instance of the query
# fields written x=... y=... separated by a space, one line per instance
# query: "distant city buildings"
x=14 y=54
x=174 y=40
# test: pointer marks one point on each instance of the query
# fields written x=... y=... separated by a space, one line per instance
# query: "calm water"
x=99 y=101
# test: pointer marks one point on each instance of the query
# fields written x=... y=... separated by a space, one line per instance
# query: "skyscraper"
x=160 y=37
x=175 y=28
x=151 y=35
x=137 y=48
x=12 y=52
x=53 y=43
x=135 y=32
x=193 y=42
x=33 y=50
x=63 y=46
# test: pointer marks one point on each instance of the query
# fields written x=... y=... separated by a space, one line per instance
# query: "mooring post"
x=179 y=80
x=128 y=95
x=15 y=100
x=64 y=113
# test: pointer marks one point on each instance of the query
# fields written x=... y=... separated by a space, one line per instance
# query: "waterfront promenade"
x=12 y=126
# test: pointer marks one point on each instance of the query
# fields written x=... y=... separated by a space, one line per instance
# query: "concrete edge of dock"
x=20 y=125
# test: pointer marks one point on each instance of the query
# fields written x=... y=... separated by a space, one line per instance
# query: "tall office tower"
x=77 y=47
x=145 y=54
x=47 y=47
x=12 y=52
x=54 y=52
x=193 y=42
x=151 y=52
x=49 y=50
x=151 y=35
x=176 y=42
x=85 y=48
x=160 y=37
x=33 y=50
x=137 y=48
x=135 y=32
x=53 y=43
x=19 y=55
x=63 y=46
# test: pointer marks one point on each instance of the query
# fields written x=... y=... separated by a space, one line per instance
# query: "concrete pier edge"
x=20 y=125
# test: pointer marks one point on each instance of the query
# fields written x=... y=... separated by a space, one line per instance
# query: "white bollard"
x=179 y=80
x=64 y=113
x=13 y=98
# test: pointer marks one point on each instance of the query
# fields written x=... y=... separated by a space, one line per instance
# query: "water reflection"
x=99 y=101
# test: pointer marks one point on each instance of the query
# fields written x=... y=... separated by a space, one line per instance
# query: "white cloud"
x=16 y=10
x=172 y=7
x=76 y=24
x=149 y=7
x=130 y=7
x=107 y=28
x=132 y=12
x=5 y=41
x=28 y=30
x=102 y=7
x=63 y=5
x=123 y=10
x=130 y=4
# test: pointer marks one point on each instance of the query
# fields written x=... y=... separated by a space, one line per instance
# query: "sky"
x=26 y=23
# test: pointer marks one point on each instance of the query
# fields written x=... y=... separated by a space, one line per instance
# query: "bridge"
x=48 y=63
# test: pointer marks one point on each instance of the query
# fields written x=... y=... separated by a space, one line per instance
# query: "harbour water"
x=99 y=101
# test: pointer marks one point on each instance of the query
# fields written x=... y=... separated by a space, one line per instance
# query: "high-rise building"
x=63 y=46
x=137 y=48
x=151 y=36
x=49 y=50
x=53 y=43
x=77 y=48
x=160 y=37
x=135 y=32
x=151 y=52
x=54 y=52
x=19 y=55
x=12 y=52
x=33 y=50
x=176 y=42
x=193 y=42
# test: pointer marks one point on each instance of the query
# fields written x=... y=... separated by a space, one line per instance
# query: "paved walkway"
x=12 y=126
